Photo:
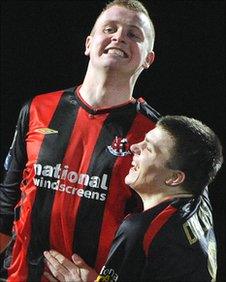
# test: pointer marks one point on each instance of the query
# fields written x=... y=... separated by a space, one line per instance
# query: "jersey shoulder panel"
x=146 y=110
x=47 y=99
x=44 y=106
x=51 y=97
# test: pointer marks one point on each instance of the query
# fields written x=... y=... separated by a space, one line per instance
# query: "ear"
x=87 y=45
x=176 y=178
x=149 y=60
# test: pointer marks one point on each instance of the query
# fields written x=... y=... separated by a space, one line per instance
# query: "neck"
x=103 y=89
x=149 y=201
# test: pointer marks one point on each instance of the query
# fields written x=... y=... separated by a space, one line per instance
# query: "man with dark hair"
x=64 y=186
x=173 y=238
x=197 y=151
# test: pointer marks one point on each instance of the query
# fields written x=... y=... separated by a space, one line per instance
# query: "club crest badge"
x=119 y=147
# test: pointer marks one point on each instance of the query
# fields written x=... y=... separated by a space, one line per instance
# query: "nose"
x=135 y=148
x=138 y=147
x=119 y=36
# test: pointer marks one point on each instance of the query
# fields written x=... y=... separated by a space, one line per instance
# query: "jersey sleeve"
x=14 y=165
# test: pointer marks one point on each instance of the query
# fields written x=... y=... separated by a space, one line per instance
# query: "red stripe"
x=40 y=116
x=119 y=193
x=140 y=127
x=77 y=158
x=156 y=225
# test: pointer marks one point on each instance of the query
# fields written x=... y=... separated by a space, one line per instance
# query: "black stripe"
x=90 y=215
x=17 y=213
x=52 y=152
x=148 y=111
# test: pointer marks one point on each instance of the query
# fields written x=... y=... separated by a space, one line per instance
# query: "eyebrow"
x=148 y=140
x=155 y=148
x=116 y=22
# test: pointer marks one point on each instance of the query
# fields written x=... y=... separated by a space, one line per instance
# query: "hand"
x=65 y=270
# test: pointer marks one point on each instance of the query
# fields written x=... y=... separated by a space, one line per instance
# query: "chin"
x=127 y=180
x=131 y=179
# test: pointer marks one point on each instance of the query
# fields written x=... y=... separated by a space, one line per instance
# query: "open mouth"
x=133 y=175
x=116 y=52
x=134 y=167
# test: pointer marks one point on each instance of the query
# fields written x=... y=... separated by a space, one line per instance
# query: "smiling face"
x=149 y=171
x=119 y=41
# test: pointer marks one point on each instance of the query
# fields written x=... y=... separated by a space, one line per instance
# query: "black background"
x=42 y=50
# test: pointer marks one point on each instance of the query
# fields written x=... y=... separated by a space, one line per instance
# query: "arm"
x=77 y=270
x=10 y=187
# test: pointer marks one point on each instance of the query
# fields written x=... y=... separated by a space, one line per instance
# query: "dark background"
x=42 y=46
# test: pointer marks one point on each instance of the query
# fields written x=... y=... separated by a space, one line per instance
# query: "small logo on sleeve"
x=119 y=147
x=107 y=275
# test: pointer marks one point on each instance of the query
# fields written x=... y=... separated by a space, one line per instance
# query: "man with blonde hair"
x=64 y=186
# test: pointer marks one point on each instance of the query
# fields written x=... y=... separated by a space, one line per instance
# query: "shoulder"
x=189 y=224
x=52 y=97
x=136 y=225
x=145 y=119
x=185 y=236
x=146 y=110
x=50 y=100
x=133 y=225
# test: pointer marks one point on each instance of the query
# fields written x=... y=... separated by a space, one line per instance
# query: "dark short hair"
x=197 y=151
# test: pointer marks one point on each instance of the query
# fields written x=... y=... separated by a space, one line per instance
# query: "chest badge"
x=119 y=147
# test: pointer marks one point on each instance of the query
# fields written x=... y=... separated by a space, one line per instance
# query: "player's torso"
x=73 y=188
x=181 y=244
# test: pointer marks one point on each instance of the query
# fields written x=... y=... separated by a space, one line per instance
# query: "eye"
x=148 y=147
x=134 y=35
x=109 y=29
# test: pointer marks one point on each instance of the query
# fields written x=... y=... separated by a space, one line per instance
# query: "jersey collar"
x=94 y=111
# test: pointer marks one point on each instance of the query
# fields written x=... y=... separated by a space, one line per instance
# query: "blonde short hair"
x=136 y=6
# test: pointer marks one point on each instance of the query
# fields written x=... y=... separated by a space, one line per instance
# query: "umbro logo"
x=46 y=130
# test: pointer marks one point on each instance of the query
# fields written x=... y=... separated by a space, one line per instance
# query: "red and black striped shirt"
x=72 y=161
x=171 y=242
